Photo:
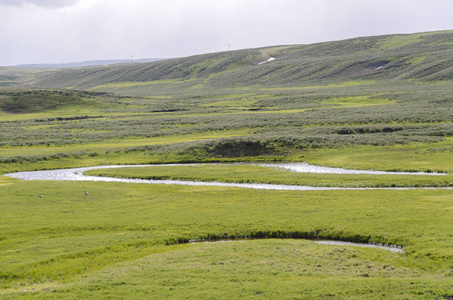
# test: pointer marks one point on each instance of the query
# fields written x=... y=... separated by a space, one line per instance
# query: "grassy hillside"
x=423 y=57
x=10 y=76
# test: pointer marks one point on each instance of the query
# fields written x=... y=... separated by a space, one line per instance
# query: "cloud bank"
x=40 y=3
x=56 y=31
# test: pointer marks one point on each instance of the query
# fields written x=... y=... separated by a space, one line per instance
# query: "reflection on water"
x=77 y=175
x=324 y=242
x=306 y=168
x=338 y=243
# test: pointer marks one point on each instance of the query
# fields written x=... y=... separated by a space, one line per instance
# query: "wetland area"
x=78 y=174
x=212 y=176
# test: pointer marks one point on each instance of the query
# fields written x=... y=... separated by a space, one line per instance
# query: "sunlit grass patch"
x=417 y=60
x=68 y=112
x=358 y=101
x=401 y=40
x=5 y=180
x=160 y=97
x=233 y=103
x=331 y=85
x=129 y=84
x=416 y=157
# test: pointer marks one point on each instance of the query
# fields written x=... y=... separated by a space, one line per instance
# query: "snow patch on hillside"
x=266 y=61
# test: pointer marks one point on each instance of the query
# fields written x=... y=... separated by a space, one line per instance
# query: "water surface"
x=76 y=174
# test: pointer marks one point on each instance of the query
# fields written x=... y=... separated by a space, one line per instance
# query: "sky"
x=62 y=31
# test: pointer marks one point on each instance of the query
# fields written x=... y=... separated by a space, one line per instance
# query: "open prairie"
x=376 y=103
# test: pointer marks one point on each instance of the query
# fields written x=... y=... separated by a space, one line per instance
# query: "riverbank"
x=297 y=176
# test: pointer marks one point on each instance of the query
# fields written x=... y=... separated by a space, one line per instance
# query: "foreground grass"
x=113 y=241
x=268 y=268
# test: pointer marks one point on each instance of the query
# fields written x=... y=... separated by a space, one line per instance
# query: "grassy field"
x=68 y=244
x=381 y=103
x=350 y=131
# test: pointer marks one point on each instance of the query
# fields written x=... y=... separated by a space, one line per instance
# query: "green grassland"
x=69 y=244
x=362 y=59
x=11 y=76
x=283 y=124
x=382 y=103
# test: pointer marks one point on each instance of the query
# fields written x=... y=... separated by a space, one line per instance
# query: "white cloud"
x=60 y=31
x=40 y=3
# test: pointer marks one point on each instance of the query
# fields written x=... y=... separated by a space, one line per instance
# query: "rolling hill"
x=89 y=63
x=425 y=57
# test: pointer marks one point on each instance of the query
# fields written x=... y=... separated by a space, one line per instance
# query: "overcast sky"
x=58 y=31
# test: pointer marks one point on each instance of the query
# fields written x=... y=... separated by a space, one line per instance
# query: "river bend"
x=77 y=174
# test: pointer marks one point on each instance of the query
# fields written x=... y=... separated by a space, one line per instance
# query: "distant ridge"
x=90 y=63
x=423 y=57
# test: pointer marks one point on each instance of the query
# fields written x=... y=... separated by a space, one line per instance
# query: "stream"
x=77 y=174
x=395 y=249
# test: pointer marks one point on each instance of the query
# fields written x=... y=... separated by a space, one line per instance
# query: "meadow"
x=377 y=103
x=119 y=240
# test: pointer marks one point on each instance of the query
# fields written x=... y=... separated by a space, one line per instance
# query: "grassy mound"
x=32 y=101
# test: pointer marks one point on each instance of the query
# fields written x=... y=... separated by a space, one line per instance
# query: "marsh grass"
x=80 y=237
x=417 y=156
x=266 y=268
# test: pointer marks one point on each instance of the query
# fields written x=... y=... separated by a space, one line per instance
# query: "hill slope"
x=89 y=63
x=422 y=56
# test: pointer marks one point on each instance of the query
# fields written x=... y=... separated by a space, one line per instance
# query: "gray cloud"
x=40 y=3
x=36 y=31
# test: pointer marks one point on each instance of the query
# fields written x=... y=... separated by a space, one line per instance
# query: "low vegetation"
x=89 y=243
x=380 y=103
x=32 y=101
x=426 y=57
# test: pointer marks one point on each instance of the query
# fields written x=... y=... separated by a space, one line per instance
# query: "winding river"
x=77 y=174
